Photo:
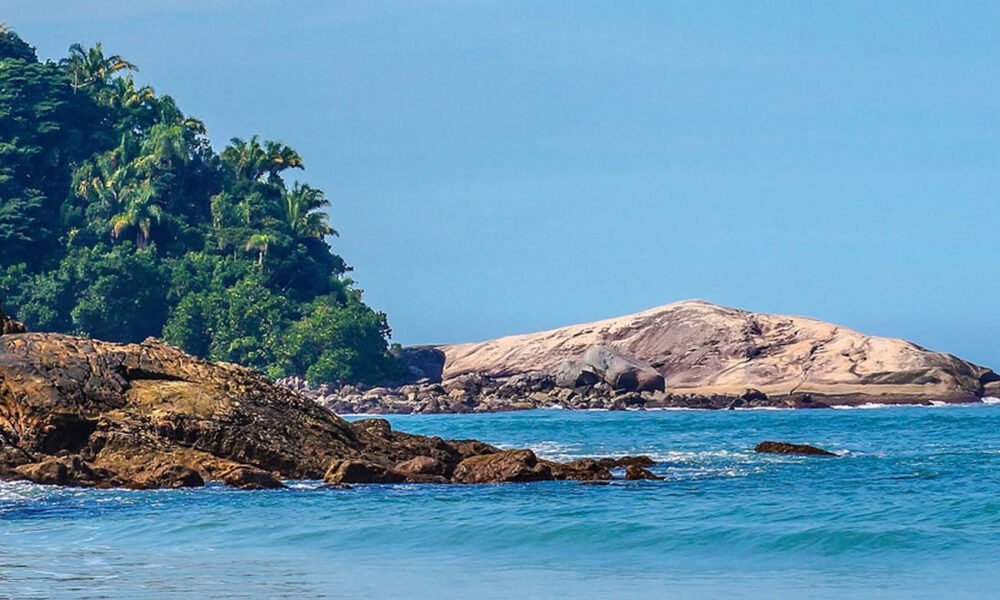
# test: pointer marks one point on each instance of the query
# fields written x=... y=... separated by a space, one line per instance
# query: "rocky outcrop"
x=507 y=466
x=685 y=355
x=623 y=372
x=636 y=473
x=702 y=349
x=787 y=448
x=75 y=411
x=425 y=363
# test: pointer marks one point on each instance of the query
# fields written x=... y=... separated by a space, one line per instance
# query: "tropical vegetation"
x=119 y=220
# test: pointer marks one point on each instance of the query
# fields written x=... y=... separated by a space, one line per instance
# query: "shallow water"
x=911 y=510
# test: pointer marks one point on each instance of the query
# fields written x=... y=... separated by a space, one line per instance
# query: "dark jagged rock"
x=806 y=401
x=627 y=461
x=502 y=467
x=250 y=478
x=75 y=411
x=635 y=473
x=175 y=476
x=361 y=471
x=421 y=465
x=584 y=469
x=65 y=470
x=787 y=448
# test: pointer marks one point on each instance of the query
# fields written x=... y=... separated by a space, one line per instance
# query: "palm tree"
x=91 y=68
x=165 y=145
x=140 y=211
x=261 y=242
x=122 y=93
x=109 y=179
x=301 y=212
x=256 y=162
x=246 y=158
x=279 y=158
x=169 y=113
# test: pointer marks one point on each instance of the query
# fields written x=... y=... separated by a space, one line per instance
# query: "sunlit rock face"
x=702 y=348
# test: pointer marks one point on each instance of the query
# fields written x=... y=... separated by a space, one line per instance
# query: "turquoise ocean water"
x=911 y=510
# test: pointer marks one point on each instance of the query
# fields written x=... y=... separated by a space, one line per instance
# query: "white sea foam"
x=869 y=406
x=933 y=404
x=991 y=400
x=552 y=450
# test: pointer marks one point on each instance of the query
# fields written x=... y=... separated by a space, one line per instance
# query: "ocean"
x=911 y=509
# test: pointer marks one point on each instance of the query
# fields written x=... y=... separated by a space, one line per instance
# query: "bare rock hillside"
x=702 y=348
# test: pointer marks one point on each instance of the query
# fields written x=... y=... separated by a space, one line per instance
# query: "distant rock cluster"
x=601 y=379
x=685 y=355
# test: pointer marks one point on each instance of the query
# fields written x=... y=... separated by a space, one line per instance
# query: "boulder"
x=360 y=471
x=65 y=470
x=635 y=473
x=584 y=469
x=769 y=447
x=502 y=467
x=623 y=372
x=250 y=478
x=471 y=383
x=806 y=401
x=626 y=461
x=174 y=477
x=421 y=465
x=575 y=373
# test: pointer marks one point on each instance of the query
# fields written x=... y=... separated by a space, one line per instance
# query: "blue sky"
x=501 y=167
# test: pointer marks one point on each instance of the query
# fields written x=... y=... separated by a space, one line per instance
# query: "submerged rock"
x=584 y=469
x=787 y=448
x=634 y=473
x=627 y=461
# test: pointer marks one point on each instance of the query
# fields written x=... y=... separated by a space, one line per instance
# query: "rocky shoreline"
x=690 y=354
x=685 y=355
x=479 y=394
x=474 y=393
x=81 y=412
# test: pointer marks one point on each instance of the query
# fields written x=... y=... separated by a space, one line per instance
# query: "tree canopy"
x=119 y=220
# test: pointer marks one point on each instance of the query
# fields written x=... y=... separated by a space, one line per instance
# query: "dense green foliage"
x=119 y=221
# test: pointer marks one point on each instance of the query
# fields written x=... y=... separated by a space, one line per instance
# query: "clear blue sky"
x=500 y=167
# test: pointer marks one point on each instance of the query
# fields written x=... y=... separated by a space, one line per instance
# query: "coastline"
x=477 y=395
